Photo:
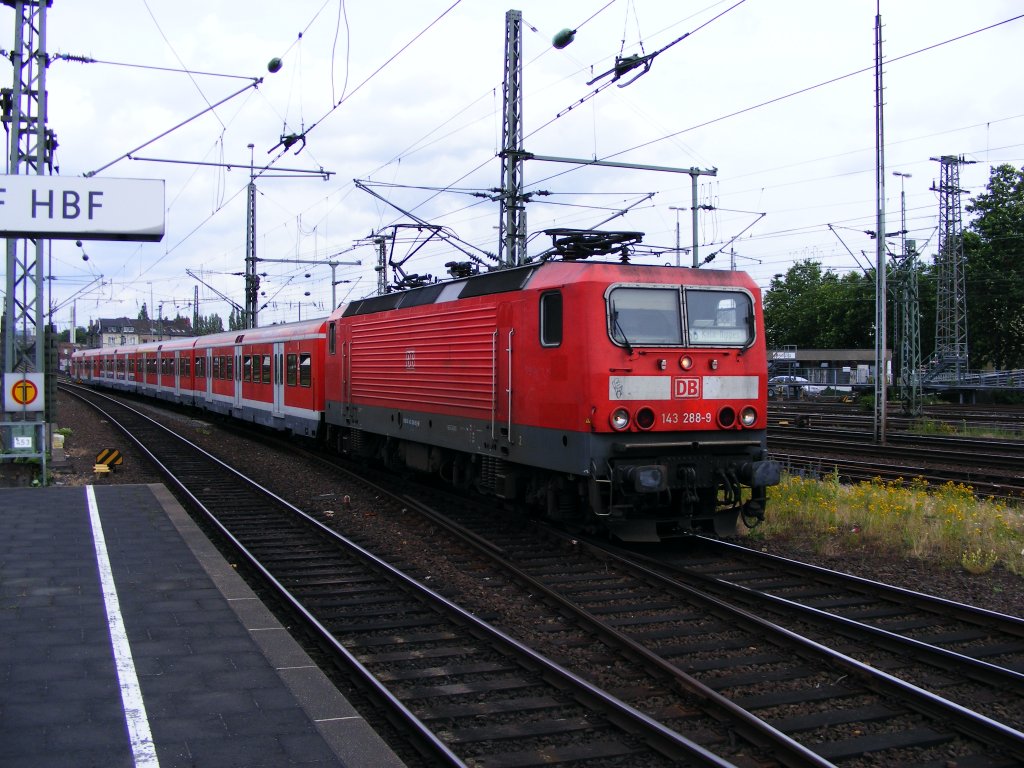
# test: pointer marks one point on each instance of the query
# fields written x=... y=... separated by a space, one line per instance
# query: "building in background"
x=121 y=331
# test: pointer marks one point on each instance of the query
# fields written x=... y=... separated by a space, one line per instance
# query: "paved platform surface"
x=217 y=681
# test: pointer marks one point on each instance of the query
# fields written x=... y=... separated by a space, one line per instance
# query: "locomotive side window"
x=332 y=338
x=719 y=317
x=551 y=319
x=645 y=316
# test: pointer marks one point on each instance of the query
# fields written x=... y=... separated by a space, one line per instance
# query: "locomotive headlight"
x=726 y=417
x=686 y=362
x=619 y=419
x=645 y=418
x=748 y=416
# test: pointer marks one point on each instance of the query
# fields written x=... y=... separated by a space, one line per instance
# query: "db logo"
x=687 y=387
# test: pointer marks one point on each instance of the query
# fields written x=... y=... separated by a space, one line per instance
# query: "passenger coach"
x=269 y=376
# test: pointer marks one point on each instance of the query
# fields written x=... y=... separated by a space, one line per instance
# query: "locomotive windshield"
x=645 y=316
x=719 y=317
x=650 y=316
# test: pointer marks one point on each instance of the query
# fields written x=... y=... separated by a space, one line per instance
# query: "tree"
x=815 y=309
x=65 y=335
x=994 y=271
x=236 y=320
x=208 y=324
x=143 y=313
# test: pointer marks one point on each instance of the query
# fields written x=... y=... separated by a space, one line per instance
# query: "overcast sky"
x=778 y=96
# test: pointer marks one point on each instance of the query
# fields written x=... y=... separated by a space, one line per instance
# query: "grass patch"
x=945 y=523
x=932 y=427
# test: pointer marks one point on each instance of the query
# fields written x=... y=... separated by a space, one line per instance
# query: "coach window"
x=247 y=368
x=266 y=369
x=292 y=373
x=332 y=330
x=305 y=370
x=551 y=319
x=229 y=367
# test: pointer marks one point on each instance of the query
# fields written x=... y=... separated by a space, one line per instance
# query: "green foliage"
x=65 y=335
x=207 y=324
x=994 y=269
x=811 y=308
x=907 y=518
x=817 y=309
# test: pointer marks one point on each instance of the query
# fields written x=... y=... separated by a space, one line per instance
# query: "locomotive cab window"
x=724 y=318
x=647 y=316
x=551 y=319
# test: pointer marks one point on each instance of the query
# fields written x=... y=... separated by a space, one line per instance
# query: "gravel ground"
x=997 y=590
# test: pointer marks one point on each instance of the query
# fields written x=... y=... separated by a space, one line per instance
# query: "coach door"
x=207 y=386
x=278 y=378
x=236 y=376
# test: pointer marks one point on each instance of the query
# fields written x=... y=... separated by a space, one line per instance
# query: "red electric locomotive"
x=629 y=398
x=613 y=396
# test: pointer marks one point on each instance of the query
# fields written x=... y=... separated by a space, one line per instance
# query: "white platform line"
x=143 y=748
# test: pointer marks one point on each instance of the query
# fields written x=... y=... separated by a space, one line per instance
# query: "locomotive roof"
x=542 y=275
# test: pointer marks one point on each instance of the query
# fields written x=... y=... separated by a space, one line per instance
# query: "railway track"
x=687 y=660
x=735 y=642
x=1006 y=419
x=960 y=651
x=468 y=693
x=994 y=468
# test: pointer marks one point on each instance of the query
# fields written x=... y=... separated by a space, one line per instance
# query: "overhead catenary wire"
x=340 y=194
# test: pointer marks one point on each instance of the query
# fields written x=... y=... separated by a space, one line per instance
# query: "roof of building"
x=177 y=327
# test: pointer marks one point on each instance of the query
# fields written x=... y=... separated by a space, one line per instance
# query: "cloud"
x=420 y=92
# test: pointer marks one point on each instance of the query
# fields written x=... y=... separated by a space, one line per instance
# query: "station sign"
x=24 y=392
x=79 y=208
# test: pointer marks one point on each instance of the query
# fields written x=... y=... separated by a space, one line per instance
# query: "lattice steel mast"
x=951 y=355
x=908 y=314
x=31 y=152
x=512 y=219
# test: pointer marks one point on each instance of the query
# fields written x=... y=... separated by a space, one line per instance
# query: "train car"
x=607 y=395
x=93 y=366
x=270 y=376
x=611 y=396
x=172 y=361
